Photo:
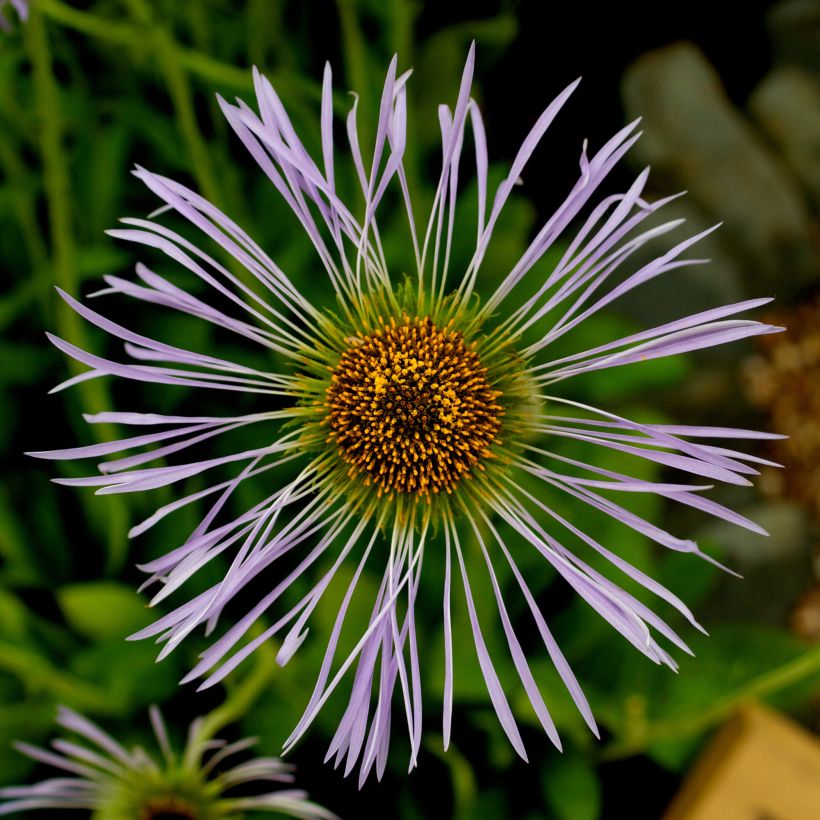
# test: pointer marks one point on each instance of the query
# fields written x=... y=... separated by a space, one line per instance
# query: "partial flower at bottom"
x=423 y=411
x=115 y=783
x=20 y=6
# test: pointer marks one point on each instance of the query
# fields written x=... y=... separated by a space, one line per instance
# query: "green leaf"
x=103 y=609
x=129 y=672
x=13 y=617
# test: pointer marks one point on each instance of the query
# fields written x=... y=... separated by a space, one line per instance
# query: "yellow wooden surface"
x=760 y=766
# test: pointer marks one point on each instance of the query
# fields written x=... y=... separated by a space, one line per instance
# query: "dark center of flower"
x=167 y=807
x=410 y=408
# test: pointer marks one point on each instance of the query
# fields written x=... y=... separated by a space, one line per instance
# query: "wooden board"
x=760 y=766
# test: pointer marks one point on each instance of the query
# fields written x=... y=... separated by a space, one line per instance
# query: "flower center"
x=410 y=408
x=167 y=808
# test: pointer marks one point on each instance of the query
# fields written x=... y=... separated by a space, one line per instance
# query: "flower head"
x=115 y=783
x=417 y=410
x=20 y=6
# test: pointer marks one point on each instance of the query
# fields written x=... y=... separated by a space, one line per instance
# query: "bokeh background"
x=730 y=95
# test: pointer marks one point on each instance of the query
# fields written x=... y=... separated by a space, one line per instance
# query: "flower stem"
x=792 y=672
x=465 y=788
x=356 y=71
x=39 y=676
x=202 y=65
x=38 y=286
x=179 y=89
x=242 y=696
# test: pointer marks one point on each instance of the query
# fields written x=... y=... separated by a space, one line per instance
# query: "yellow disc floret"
x=410 y=408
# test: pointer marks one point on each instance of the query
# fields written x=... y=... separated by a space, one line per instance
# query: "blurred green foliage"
x=87 y=89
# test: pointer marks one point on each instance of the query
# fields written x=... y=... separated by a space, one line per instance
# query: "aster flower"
x=418 y=412
x=115 y=783
x=20 y=6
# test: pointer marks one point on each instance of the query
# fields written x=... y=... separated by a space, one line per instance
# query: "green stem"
x=87 y=23
x=48 y=108
x=57 y=184
x=241 y=697
x=205 y=67
x=38 y=675
x=794 y=671
x=25 y=211
x=465 y=788
x=179 y=89
x=400 y=31
x=356 y=71
x=268 y=34
x=21 y=564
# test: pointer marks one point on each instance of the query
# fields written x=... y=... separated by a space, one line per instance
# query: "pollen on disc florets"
x=410 y=408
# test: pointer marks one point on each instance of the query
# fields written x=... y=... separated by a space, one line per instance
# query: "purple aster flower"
x=114 y=782
x=20 y=6
x=417 y=411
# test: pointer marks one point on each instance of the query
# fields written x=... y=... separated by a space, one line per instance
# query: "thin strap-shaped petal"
x=83 y=726
x=519 y=659
x=679 y=324
x=627 y=568
x=554 y=651
x=321 y=698
x=447 y=706
x=494 y=688
x=482 y=164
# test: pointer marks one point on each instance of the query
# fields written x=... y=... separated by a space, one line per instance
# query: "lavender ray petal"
x=494 y=688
